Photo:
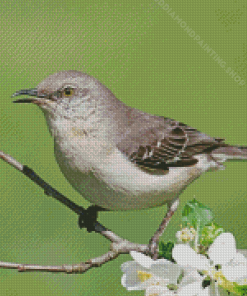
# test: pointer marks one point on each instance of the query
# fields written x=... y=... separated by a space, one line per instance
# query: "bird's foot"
x=88 y=217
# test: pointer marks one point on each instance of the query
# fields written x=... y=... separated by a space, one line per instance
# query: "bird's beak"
x=30 y=92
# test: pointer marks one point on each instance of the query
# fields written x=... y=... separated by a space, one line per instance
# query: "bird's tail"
x=230 y=153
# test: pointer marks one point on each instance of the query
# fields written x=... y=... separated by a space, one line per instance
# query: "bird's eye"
x=68 y=91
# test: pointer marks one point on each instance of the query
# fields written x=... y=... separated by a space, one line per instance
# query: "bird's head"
x=66 y=93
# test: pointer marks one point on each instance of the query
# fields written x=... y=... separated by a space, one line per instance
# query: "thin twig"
x=118 y=244
x=154 y=242
x=122 y=247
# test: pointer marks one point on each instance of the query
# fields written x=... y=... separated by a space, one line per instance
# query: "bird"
x=118 y=157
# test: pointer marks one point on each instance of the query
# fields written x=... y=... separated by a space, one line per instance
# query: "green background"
x=150 y=62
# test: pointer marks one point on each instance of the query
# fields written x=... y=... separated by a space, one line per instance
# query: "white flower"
x=145 y=273
x=224 y=266
x=223 y=269
x=233 y=264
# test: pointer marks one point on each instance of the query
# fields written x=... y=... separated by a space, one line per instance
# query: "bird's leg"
x=88 y=217
x=154 y=241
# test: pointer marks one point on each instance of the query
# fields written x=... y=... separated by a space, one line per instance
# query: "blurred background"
x=180 y=59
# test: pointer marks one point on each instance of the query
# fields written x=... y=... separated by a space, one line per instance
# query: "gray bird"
x=118 y=157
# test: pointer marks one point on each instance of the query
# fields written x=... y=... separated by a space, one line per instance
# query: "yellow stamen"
x=143 y=276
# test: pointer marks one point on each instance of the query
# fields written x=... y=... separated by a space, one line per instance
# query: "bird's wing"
x=166 y=143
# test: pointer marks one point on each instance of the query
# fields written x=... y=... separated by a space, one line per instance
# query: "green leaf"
x=209 y=234
x=165 y=250
x=197 y=215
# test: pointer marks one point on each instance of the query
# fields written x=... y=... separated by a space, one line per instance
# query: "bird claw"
x=88 y=217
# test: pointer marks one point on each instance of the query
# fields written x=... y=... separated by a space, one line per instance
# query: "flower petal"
x=184 y=255
x=166 y=270
x=240 y=258
x=223 y=249
x=130 y=279
x=129 y=265
x=142 y=259
x=158 y=290
x=155 y=281
x=235 y=273
x=191 y=275
x=194 y=289
x=130 y=286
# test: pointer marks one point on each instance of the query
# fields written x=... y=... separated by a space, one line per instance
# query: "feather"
x=168 y=144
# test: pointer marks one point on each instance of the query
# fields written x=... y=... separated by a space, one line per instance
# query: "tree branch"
x=122 y=247
x=154 y=242
x=118 y=244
